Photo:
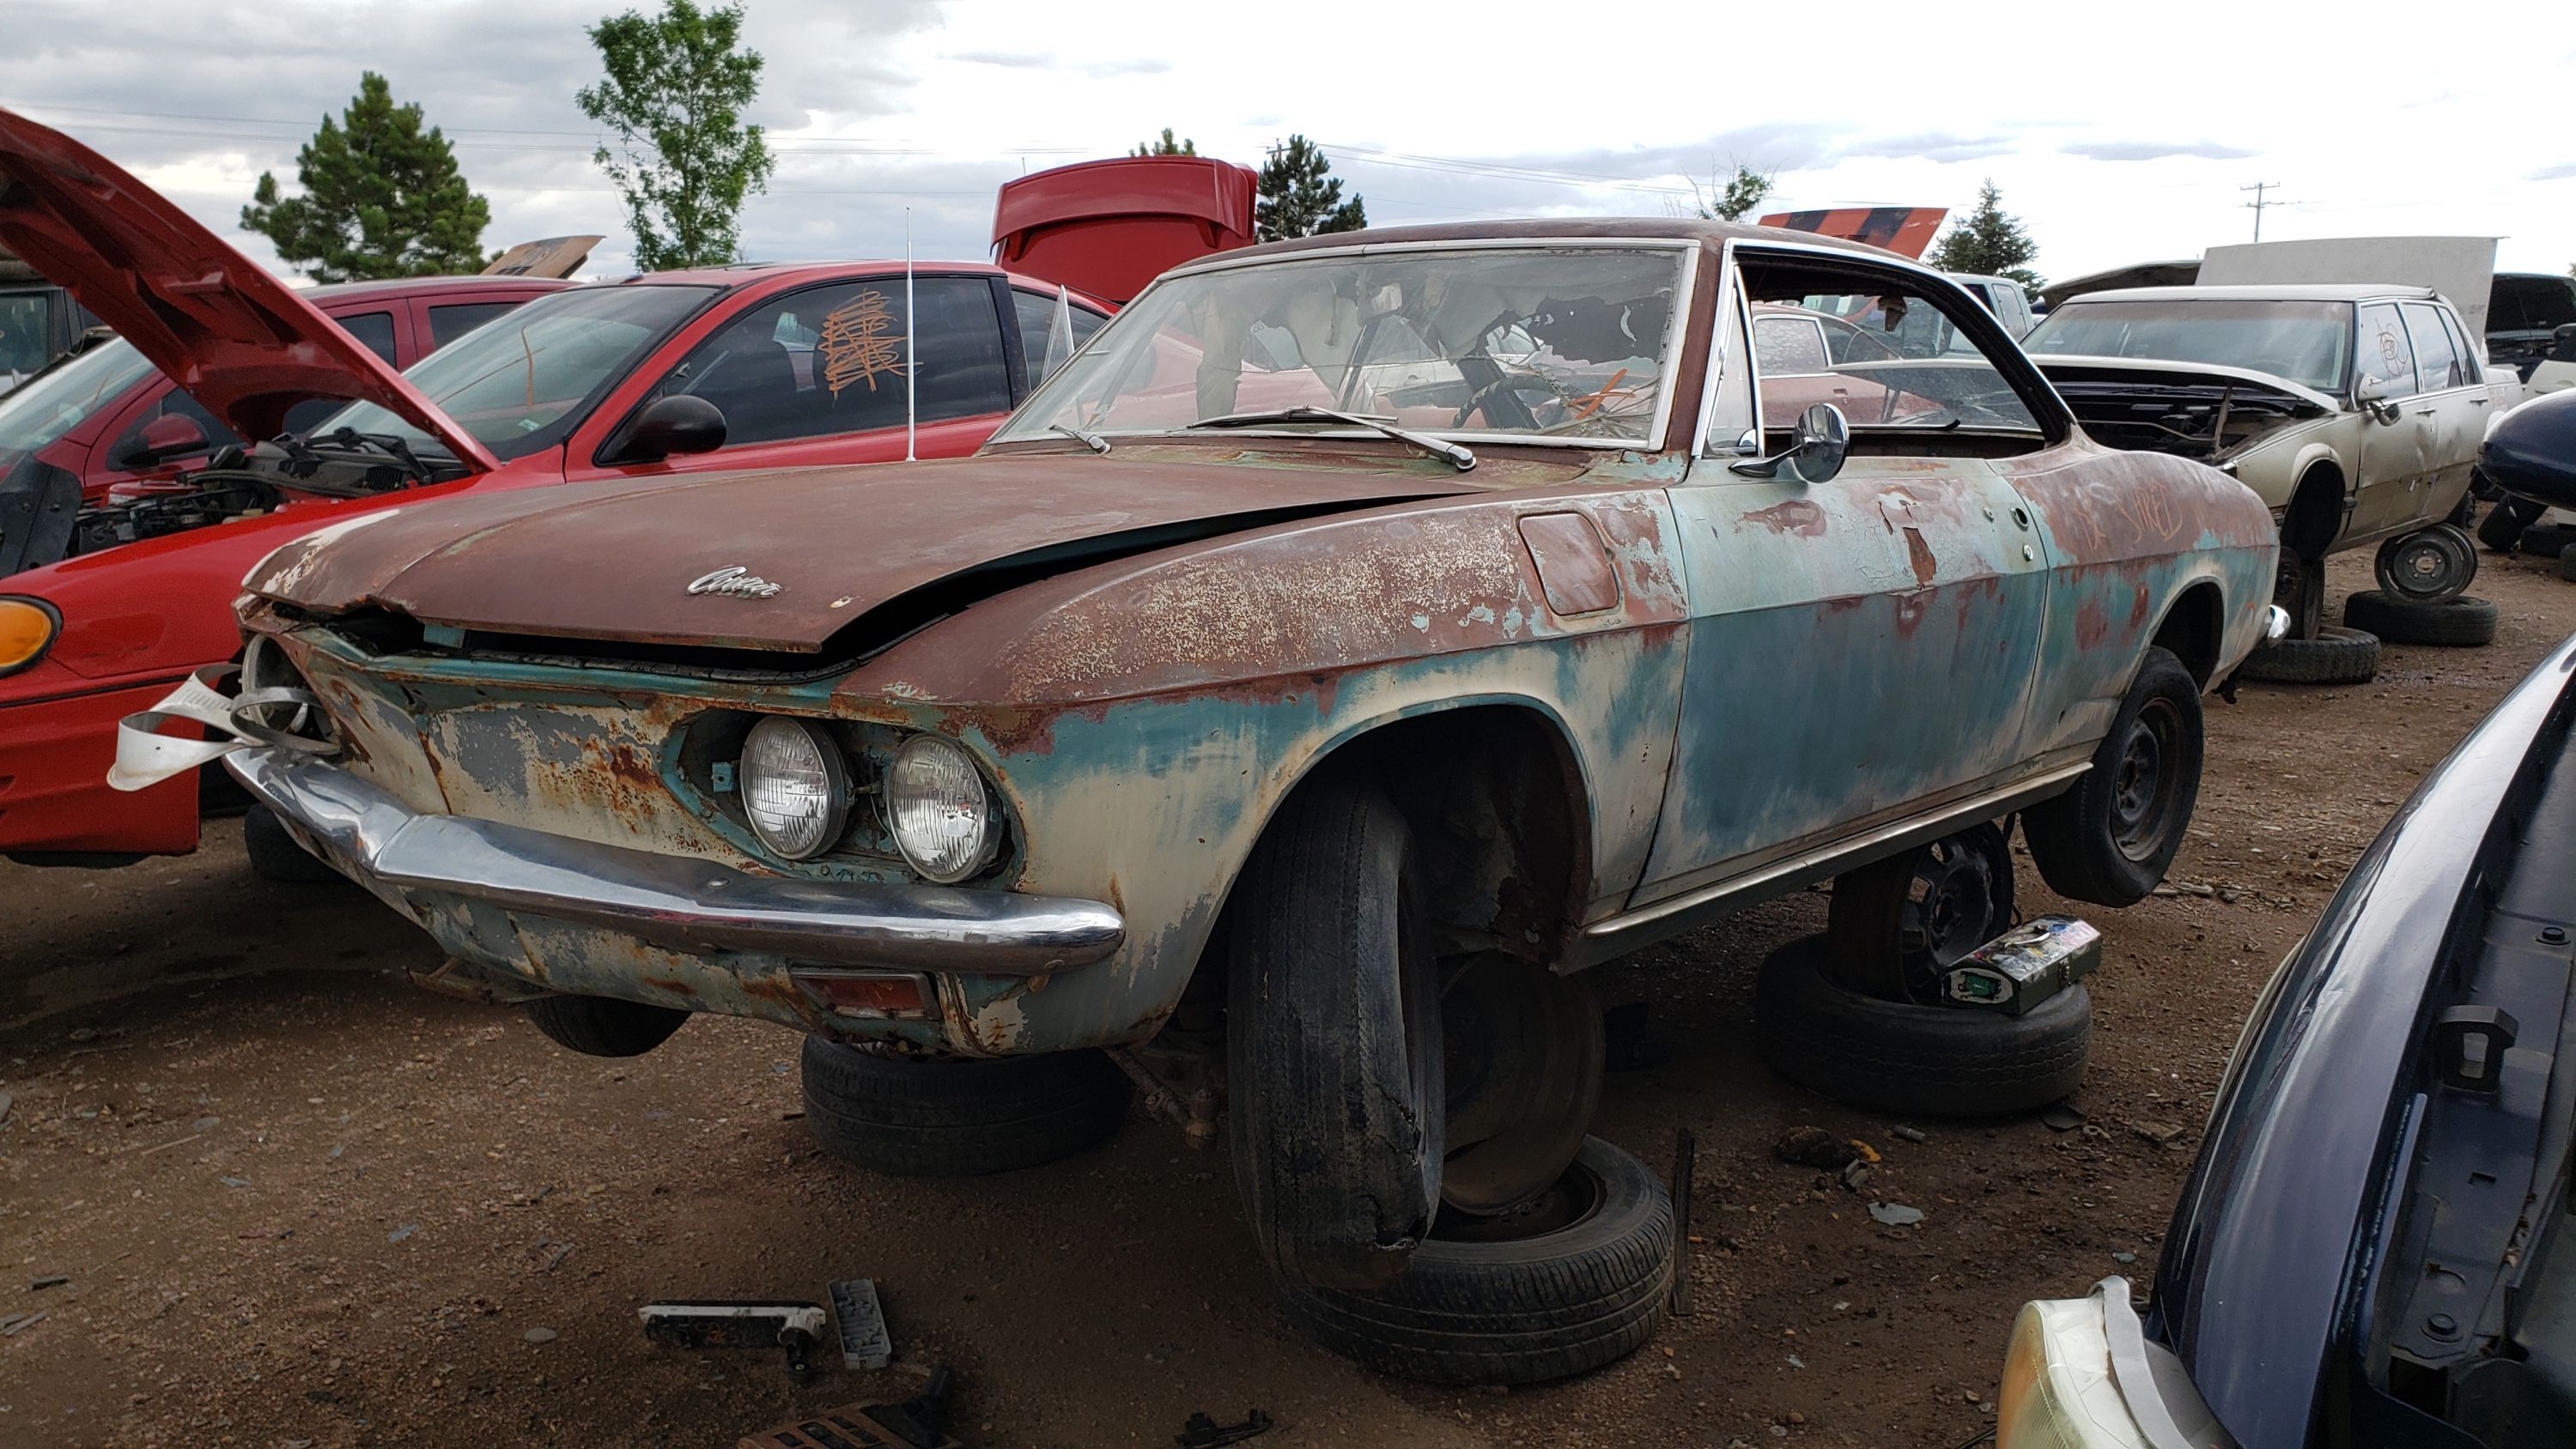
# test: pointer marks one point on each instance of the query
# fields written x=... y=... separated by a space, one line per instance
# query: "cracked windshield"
x=1527 y=342
x=515 y=384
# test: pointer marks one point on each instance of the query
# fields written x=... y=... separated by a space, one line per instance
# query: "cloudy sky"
x=2115 y=141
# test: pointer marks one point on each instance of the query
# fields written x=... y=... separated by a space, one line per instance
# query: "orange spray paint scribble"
x=855 y=346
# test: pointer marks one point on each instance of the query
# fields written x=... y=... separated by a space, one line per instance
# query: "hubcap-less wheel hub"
x=1899 y=924
x=2143 y=797
x=2429 y=566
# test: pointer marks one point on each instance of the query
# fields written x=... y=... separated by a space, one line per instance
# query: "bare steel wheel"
x=1897 y=924
x=2109 y=839
x=2428 y=566
x=2148 y=792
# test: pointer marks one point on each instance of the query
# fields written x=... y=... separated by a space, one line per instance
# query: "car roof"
x=413 y=286
x=745 y=274
x=1710 y=234
x=2285 y=292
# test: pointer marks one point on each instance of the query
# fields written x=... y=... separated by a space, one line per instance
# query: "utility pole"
x=2258 y=203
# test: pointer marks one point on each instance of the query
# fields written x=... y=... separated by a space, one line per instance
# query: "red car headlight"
x=27 y=630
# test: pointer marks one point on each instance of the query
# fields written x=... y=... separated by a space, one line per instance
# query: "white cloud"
x=2115 y=140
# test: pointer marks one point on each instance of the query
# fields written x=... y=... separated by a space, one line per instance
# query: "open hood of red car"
x=239 y=340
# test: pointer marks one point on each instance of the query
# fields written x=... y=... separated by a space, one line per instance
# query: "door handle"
x=2424 y=412
x=2482 y=400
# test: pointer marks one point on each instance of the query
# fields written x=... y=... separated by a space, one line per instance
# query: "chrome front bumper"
x=672 y=901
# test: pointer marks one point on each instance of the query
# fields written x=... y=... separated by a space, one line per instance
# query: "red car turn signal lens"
x=27 y=629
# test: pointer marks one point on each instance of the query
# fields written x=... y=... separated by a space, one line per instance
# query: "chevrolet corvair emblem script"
x=737 y=582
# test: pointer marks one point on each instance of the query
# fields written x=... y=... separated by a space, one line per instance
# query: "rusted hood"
x=786 y=560
x=239 y=340
x=2139 y=374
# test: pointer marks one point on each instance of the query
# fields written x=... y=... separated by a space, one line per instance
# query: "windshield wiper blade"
x=1439 y=448
x=390 y=444
x=1088 y=439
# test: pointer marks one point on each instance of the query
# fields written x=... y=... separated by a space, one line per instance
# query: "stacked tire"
x=1339 y=1120
x=2460 y=623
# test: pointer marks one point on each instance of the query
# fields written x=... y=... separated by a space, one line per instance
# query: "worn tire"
x=2567 y=565
x=1337 y=1098
x=1950 y=1061
x=603 y=1026
x=2547 y=540
x=959 y=1118
x=274 y=855
x=2335 y=656
x=2463 y=622
x=1544 y=1307
x=2075 y=836
x=2501 y=530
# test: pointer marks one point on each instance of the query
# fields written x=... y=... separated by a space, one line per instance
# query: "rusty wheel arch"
x=2194 y=628
x=1498 y=802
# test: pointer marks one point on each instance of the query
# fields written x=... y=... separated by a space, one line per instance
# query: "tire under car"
x=1578 y=1282
x=947 y=1117
x=2501 y=529
x=274 y=855
x=2547 y=540
x=1900 y=1057
x=602 y=1026
x=2336 y=656
x=2463 y=622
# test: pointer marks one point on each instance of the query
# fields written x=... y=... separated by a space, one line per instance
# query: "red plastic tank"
x=1106 y=228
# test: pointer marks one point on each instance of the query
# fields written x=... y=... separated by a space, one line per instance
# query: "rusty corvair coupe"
x=1358 y=638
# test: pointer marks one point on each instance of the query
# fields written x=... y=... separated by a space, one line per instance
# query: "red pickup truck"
x=721 y=369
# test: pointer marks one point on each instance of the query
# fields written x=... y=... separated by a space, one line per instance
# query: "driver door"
x=2396 y=456
x=1861 y=646
x=820 y=375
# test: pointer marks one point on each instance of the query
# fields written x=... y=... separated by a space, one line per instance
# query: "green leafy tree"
x=1988 y=241
x=382 y=198
x=1167 y=146
x=1299 y=196
x=676 y=88
x=1731 y=198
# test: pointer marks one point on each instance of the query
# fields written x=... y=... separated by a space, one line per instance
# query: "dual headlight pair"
x=796 y=792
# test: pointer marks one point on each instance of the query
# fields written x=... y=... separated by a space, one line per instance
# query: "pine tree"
x=675 y=92
x=1988 y=242
x=1167 y=146
x=1299 y=196
x=382 y=198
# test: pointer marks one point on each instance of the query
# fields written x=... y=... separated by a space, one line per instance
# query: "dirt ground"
x=300 y=1203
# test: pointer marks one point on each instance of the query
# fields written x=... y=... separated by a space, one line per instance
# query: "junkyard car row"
x=1304 y=681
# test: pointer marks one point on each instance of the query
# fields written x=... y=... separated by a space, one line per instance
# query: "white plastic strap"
x=145 y=757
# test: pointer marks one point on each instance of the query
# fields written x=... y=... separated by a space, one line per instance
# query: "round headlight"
x=936 y=806
x=793 y=787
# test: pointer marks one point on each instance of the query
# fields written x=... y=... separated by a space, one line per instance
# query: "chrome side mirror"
x=1817 y=448
x=2372 y=398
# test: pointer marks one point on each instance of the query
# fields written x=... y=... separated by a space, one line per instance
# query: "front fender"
x=1154 y=804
